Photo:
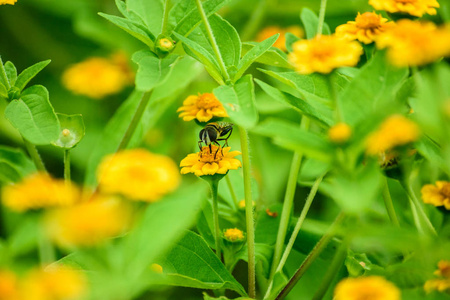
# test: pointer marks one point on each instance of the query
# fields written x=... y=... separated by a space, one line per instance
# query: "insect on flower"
x=214 y=132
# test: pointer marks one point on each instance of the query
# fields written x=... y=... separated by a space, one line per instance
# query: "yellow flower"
x=324 y=53
x=97 y=77
x=39 y=190
x=203 y=107
x=218 y=161
x=365 y=28
x=438 y=195
x=366 y=288
x=414 y=43
x=11 y=2
x=339 y=133
x=394 y=131
x=55 y=283
x=8 y=286
x=413 y=7
x=280 y=43
x=88 y=223
x=138 y=175
x=233 y=235
x=442 y=284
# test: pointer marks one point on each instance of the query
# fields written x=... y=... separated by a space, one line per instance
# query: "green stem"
x=165 y=17
x=334 y=98
x=214 y=190
x=34 y=154
x=248 y=212
x=323 y=6
x=212 y=40
x=67 y=165
x=45 y=248
x=134 y=121
x=389 y=205
x=3 y=75
x=232 y=192
x=315 y=252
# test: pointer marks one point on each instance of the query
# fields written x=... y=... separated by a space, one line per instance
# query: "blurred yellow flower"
x=438 y=195
x=55 y=283
x=394 y=131
x=138 y=175
x=414 y=43
x=88 y=223
x=241 y=204
x=11 y=2
x=365 y=28
x=203 y=107
x=324 y=53
x=339 y=133
x=280 y=43
x=233 y=235
x=39 y=190
x=8 y=286
x=441 y=284
x=156 y=268
x=370 y=287
x=218 y=161
x=98 y=77
x=413 y=7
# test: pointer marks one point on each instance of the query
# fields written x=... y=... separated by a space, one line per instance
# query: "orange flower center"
x=445 y=190
x=406 y=1
x=368 y=20
x=215 y=155
x=207 y=100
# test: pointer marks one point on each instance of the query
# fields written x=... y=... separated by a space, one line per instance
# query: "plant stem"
x=67 y=165
x=165 y=16
x=323 y=6
x=214 y=190
x=3 y=74
x=134 y=121
x=232 y=192
x=248 y=211
x=318 y=248
x=389 y=205
x=334 y=97
x=34 y=154
x=212 y=40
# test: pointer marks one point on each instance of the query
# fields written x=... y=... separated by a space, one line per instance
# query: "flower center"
x=215 y=155
x=445 y=190
x=368 y=20
x=207 y=100
x=406 y=1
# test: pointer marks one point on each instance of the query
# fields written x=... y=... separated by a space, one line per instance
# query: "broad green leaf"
x=266 y=227
x=207 y=297
x=310 y=22
x=29 y=73
x=252 y=55
x=3 y=91
x=152 y=71
x=151 y=12
x=180 y=11
x=290 y=39
x=272 y=57
x=431 y=151
x=71 y=131
x=374 y=88
x=33 y=116
x=135 y=29
x=14 y=165
x=290 y=136
x=11 y=72
x=312 y=109
x=25 y=237
x=263 y=255
x=191 y=263
x=239 y=101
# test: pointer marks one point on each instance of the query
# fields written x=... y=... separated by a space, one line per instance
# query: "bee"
x=213 y=133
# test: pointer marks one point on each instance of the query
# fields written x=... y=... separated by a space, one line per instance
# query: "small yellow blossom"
x=203 y=107
x=438 y=195
x=339 y=133
x=324 y=53
x=156 y=268
x=138 y=175
x=365 y=28
x=394 y=131
x=8 y=286
x=441 y=284
x=415 y=43
x=11 y=2
x=280 y=43
x=55 y=283
x=88 y=223
x=366 y=288
x=413 y=7
x=39 y=190
x=218 y=161
x=241 y=204
x=97 y=77
x=233 y=235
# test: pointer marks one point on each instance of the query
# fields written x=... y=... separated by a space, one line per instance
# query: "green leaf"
x=272 y=57
x=75 y=126
x=133 y=28
x=312 y=109
x=25 y=237
x=179 y=12
x=207 y=297
x=290 y=136
x=152 y=71
x=263 y=254
x=29 y=73
x=191 y=263
x=239 y=101
x=11 y=72
x=3 y=91
x=122 y=7
x=290 y=39
x=253 y=54
x=150 y=11
x=14 y=165
x=310 y=22
x=33 y=116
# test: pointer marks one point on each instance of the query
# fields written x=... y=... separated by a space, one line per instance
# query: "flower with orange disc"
x=203 y=107
x=365 y=28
